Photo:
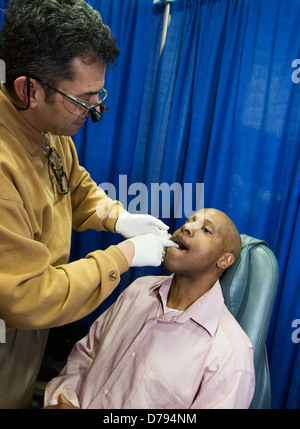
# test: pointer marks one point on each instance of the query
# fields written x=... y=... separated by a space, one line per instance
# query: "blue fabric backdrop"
x=220 y=106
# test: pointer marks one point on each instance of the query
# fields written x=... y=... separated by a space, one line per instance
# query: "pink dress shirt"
x=138 y=356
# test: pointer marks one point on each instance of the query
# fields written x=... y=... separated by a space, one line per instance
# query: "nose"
x=94 y=99
x=185 y=229
x=98 y=109
x=191 y=226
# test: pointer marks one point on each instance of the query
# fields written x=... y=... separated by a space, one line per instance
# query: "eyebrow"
x=210 y=222
x=205 y=221
x=88 y=94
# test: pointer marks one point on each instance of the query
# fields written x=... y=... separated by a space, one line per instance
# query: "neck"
x=27 y=117
x=184 y=292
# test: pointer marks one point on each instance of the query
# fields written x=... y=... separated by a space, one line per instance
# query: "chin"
x=168 y=263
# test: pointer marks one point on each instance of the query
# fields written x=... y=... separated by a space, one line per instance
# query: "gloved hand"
x=130 y=225
x=149 y=249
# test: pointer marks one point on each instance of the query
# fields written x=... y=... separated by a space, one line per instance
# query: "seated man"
x=167 y=342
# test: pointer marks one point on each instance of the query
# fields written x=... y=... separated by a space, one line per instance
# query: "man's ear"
x=21 y=89
x=225 y=261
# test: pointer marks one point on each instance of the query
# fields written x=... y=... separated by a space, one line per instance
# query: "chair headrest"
x=234 y=279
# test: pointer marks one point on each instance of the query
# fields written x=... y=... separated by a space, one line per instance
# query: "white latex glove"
x=130 y=225
x=149 y=249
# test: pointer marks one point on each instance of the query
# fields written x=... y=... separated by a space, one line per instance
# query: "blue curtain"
x=220 y=106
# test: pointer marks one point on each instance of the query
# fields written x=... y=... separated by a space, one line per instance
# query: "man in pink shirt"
x=167 y=342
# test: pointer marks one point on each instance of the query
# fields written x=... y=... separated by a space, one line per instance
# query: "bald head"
x=231 y=236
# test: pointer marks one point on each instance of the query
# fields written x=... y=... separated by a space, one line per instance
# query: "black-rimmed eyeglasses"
x=80 y=107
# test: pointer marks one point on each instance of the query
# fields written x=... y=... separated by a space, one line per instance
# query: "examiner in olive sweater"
x=54 y=81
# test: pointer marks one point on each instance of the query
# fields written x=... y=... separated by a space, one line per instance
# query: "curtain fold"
x=220 y=106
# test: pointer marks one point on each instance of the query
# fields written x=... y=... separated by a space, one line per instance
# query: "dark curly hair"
x=42 y=38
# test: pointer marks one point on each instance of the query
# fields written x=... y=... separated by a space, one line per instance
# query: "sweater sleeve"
x=38 y=287
x=34 y=294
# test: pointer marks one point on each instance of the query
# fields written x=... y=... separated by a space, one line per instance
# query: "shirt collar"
x=16 y=124
x=205 y=311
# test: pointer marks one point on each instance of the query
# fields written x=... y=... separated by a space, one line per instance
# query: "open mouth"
x=181 y=244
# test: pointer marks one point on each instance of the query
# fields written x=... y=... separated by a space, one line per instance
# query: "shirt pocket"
x=151 y=392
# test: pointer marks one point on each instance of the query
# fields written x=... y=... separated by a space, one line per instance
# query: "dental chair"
x=249 y=287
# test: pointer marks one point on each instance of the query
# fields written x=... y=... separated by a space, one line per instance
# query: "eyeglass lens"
x=73 y=107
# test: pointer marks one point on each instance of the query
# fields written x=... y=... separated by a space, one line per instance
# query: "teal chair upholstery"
x=249 y=287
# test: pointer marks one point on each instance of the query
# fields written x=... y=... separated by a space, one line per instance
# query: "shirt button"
x=132 y=355
x=106 y=391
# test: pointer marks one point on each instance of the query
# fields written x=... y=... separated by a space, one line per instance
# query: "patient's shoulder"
x=238 y=343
